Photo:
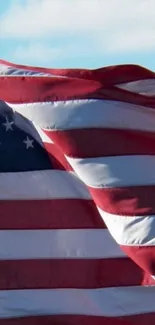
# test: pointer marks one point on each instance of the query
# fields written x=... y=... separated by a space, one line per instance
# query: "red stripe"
x=114 y=93
x=104 y=142
x=49 y=214
x=108 y=75
x=71 y=273
x=38 y=89
x=144 y=256
x=142 y=319
x=129 y=201
x=57 y=157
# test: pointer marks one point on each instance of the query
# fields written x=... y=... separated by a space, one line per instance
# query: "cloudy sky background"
x=78 y=33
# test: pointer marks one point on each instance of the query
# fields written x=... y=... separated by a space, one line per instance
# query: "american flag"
x=77 y=185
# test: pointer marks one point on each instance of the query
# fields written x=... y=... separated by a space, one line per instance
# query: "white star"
x=29 y=143
x=8 y=125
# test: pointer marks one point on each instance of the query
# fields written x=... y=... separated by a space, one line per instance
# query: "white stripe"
x=11 y=71
x=41 y=184
x=115 y=171
x=83 y=243
x=146 y=87
x=110 y=302
x=42 y=134
x=3 y=69
x=6 y=70
x=88 y=113
x=132 y=231
x=26 y=125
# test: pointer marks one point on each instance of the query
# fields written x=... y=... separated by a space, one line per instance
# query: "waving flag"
x=77 y=229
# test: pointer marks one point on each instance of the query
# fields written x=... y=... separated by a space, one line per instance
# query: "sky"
x=78 y=33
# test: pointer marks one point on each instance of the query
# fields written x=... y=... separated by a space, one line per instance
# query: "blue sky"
x=78 y=33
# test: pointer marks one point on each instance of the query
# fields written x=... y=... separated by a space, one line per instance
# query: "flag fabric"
x=77 y=186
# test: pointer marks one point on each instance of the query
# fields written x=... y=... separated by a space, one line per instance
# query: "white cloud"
x=43 y=53
x=110 y=25
x=36 y=52
x=140 y=40
x=46 y=17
